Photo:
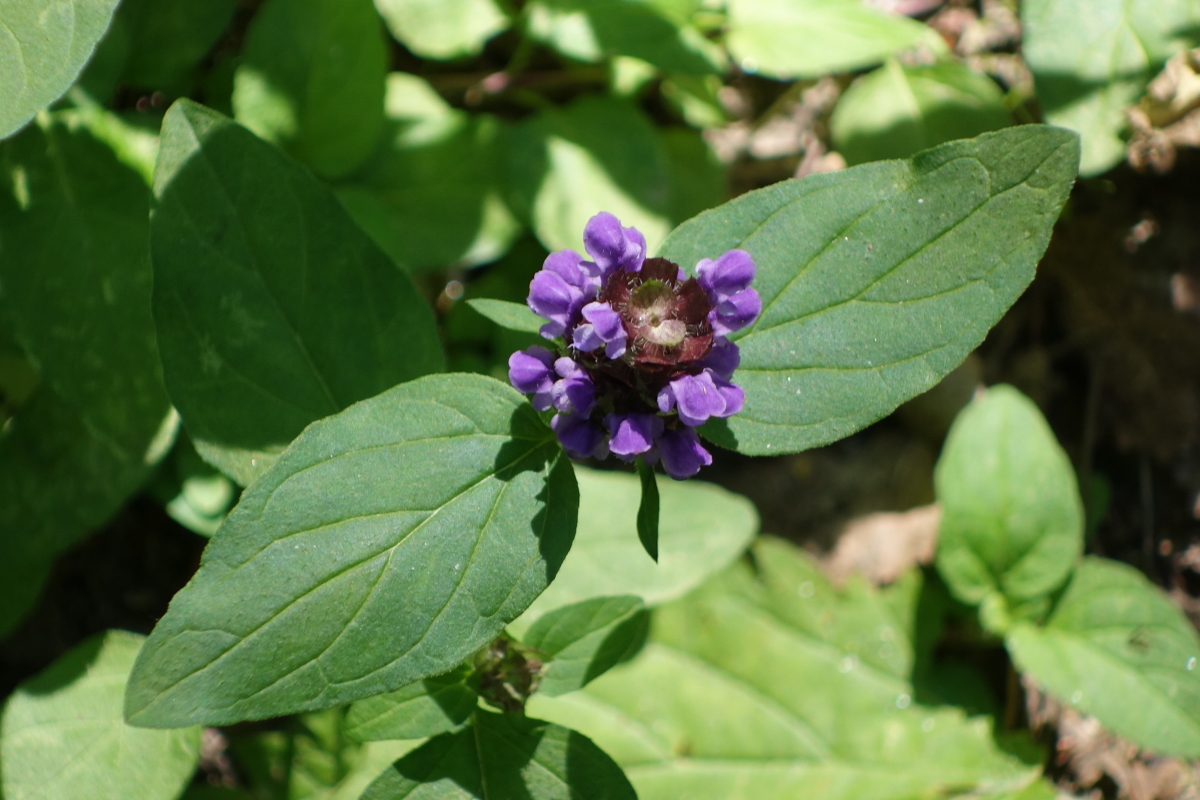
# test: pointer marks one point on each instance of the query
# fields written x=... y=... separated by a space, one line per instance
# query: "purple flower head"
x=639 y=357
x=613 y=247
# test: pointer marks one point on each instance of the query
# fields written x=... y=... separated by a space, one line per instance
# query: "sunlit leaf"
x=432 y=706
x=584 y=640
x=443 y=28
x=513 y=316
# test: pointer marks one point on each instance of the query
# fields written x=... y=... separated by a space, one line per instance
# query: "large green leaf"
x=312 y=80
x=584 y=640
x=1012 y=521
x=504 y=756
x=702 y=529
x=443 y=28
x=1118 y=649
x=75 y=287
x=386 y=545
x=432 y=706
x=62 y=736
x=43 y=46
x=810 y=38
x=590 y=30
x=878 y=280
x=432 y=195
x=1092 y=58
x=273 y=308
x=776 y=685
x=168 y=38
x=597 y=154
x=896 y=111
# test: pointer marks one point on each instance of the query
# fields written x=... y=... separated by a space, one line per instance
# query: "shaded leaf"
x=1092 y=58
x=740 y=695
x=443 y=28
x=513 y=316
x=43 y=47
x=1012 y=521
x=703 y=528
x=878 y=280
x=584 y=640
x=597 y=154
x=647 y=516
x=168 y=38
x=312 y=80
x=1115 y=647
x=590 y=30
x=505 y=755
x=896 y=111
x=810 y=38
x=431 y=196
x=386 y=545
x=62 y=736
x=432 y=706
x=273 y=308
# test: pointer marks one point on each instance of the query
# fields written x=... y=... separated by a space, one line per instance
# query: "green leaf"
x=432 y=194
x=810 y=38
x=1012 y=521
x=386 y=545
x=167 y=39
x=896 y=111
x=754 y=687
x=1092 y=58
x=513 y=316
x=1115 y=647
x=647 y=515
x=597 y=154
x=585 y=640
x=43 y=47
x=435 y=705
x=273 y=308
x=505 y=755
x=878 y=280
x=312 y=80
x=591 y=30
x=443 y=28
x=703 y=528
x=62 y=736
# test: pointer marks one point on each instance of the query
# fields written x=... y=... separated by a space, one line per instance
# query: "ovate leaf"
x=443 y=28
x=896 y=111
x=43 y=46
x=432 y=706
x=504 y=755
x=273 y=308
x=878 y=280
x=62 y=736
x=584 y=640
x=312 y=80
x=1012 y=521
x=1092 y=58
x=386 y=545
x=810 y=38
x=513 y=316
x=1115 y=647
x=703 y=528
x=742 y=693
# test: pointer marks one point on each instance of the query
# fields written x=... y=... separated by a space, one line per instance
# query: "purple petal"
x=725 y=277
x=529 y=371
x=612 y=246
x=585 y=338
x=570 y=266
x=682 y=454
x=567 y=368
x=579 y=437
x=722 y=359
x=603 y=327
x=632 y=434
x=733 y=395
x=666 y=399
x=556 y=300
x=574 y=396
x=736 y=312
x=697 y=398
